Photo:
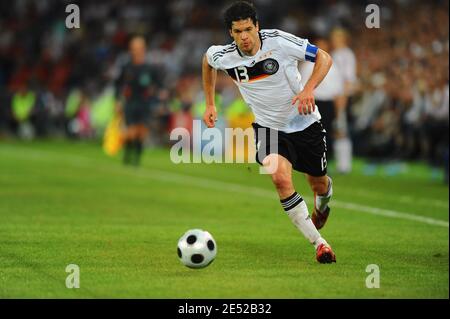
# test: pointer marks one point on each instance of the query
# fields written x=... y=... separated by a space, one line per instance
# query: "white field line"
x=188 y=180
x=236 y=188
x=398 y=198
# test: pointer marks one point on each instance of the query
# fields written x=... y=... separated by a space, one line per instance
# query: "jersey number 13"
x=241 y=74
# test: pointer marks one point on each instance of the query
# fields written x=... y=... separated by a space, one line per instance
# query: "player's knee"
x=281 y=180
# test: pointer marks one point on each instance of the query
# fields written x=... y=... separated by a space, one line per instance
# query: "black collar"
x=239 y=51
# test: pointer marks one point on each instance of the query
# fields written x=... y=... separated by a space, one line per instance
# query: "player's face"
x=137 y=50
x=338 y=39
x=245 y=34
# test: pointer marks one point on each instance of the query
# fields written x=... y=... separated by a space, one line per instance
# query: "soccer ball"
x=197 y=248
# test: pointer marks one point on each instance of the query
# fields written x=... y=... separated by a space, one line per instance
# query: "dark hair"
x=240 y=10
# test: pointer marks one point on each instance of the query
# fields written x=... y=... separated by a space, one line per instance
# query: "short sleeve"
x=297 y=48
x=212 y=55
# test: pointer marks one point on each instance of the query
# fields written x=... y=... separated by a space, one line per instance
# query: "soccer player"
x=137 y=85
x=264 y=66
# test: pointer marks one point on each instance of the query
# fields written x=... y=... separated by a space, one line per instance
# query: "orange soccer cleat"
x=325 y=254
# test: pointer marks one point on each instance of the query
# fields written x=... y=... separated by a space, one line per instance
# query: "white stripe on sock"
x=291 y=201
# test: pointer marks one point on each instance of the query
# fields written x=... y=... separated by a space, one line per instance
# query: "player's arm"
x=209 y=75
x=118 y=85
x=306 y=97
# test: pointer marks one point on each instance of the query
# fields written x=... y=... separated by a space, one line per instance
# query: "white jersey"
x=270 y=79
x=345 y=60
x=331 y=86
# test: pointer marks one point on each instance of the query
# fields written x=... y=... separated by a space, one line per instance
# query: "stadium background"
x=57 y=87
x=399 y=111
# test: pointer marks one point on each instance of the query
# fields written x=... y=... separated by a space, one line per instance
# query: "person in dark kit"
x=136 y=91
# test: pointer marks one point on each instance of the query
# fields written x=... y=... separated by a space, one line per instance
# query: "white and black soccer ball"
x=197 y=248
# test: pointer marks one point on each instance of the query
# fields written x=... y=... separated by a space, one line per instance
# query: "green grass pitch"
x=67 y=203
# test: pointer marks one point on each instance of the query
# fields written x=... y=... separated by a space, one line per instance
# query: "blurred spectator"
x=437 y=120
x=398 y=109
x=22 y=105
x=328 y=95
x=345 y=61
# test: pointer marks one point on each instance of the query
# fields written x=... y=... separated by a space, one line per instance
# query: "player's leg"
x=343 y=148
x=141 y=133
x=291 y=201
x=130 y=135
x=322 y=187
x=311 y=146
x=282 y=177
x=140 y=117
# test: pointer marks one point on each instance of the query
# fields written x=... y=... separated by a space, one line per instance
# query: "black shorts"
x=305 y=150
x=136 y=115
x=328 y=115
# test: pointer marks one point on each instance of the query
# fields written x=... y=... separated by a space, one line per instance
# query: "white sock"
x=297 y=211
x=322 y=201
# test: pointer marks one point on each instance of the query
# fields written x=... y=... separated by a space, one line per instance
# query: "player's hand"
x=210 y=116
x=306 y=104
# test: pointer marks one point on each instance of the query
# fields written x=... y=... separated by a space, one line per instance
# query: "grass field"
x=67 y=203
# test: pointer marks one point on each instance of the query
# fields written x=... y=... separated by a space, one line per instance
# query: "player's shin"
x=297 y=211
x=138 y=146
x=128 y=152
x=323 y=199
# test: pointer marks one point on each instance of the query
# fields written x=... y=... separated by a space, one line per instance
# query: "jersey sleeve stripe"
x=292 y=38
x=265 y=35
x=223 y=51
x=300 y=44
x=269 y=33
x=221 y=55
x=274 y=34
x=286 y=36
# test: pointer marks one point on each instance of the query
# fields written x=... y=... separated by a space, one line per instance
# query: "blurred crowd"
x=59 y=81
x=402 y=102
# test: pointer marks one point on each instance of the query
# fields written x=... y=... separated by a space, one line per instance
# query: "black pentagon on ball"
x=197 y=258
x=210 y=245
x=191 y=239
x=179 y=252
